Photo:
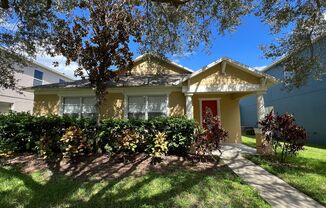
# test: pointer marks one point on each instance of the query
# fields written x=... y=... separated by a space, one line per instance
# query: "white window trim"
x=62 y=98
x=41 y=80
x=218 y=108
x=127 y=95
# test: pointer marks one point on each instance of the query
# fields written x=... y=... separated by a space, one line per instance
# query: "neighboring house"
x=306 y=103
x=161 y=88
x=32 y=75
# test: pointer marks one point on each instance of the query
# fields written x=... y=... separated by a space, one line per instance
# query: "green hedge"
x=22 y=132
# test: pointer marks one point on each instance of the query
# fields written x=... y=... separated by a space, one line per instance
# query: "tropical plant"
x=74 y=142
x=286 y=137
x=210 y=137
x=159 y=145
x=129 y=139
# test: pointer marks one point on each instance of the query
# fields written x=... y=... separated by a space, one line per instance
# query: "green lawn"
x=173 y=188
x=306 y=171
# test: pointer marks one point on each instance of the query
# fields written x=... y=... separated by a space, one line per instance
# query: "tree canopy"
x=96 y=33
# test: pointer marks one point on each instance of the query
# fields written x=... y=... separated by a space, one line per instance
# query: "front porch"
x=228 y=110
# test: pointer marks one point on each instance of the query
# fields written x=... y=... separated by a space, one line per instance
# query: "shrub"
x=210 y=138
x=179 y=131
x=22 y=132
x=284 y=134
x=74 y=142
x=128 y=141
x=159 y=146
x=15 y=132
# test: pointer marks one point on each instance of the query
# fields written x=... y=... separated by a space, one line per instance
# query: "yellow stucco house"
x=163 y=88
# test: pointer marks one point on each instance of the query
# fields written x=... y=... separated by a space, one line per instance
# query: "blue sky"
x=241 y=45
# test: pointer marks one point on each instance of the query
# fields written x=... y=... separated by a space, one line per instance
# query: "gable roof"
x=158 y=79
x=143 y=57
x=238 y=65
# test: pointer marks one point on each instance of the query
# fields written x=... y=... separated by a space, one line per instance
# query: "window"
x=38 y=78
x=156 y=106
x=61 y=81
x=144 y=107
x=79 y=107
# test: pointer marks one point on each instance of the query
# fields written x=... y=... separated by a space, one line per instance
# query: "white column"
x=260 y=106
x=189 y=107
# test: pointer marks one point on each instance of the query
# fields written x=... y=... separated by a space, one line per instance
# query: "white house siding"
x=23 y=101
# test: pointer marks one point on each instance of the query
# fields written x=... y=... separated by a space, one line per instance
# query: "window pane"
x=136 y=104
x=61 y=81
x=37 y=82
x=38 y=75
x=157 y=105
x=71 y=106
x=89 y=107
x=155 y=114
x=136 y=115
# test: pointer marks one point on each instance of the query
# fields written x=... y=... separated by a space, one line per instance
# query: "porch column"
x=260 y=106
x=189 y=107
x=262 y=146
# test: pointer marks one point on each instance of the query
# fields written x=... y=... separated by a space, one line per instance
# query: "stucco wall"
x=177 y=102
x=155 y=67
x=113 y=106
x=214 y=76
x=230 y=114
x=23 y=101
x=46 y=104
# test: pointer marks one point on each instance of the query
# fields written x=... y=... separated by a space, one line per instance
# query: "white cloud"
x=47 y=60
x=260 y=68
x=177 y=57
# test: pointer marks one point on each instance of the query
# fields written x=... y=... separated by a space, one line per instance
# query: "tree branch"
x=173 y=2
x=4 y=4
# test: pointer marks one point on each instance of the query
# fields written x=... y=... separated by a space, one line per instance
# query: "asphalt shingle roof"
x=124 y=81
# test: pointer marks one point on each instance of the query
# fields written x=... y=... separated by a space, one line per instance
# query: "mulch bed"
x=103 y=166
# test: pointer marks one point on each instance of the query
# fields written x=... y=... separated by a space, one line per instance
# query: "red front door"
x=208 y=105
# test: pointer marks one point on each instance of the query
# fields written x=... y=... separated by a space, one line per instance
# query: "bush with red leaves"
x=210 y=137
x=286 y=137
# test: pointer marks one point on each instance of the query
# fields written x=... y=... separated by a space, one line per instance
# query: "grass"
x=306 y=171
x=218 y=187
x=249 y=141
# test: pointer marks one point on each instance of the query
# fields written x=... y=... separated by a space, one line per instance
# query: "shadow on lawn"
x=58 y=190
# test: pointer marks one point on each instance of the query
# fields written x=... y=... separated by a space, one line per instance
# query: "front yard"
x=306 y=171
x=99 y=183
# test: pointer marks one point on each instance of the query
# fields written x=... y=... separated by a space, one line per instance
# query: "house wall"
x=230 y=114
x=46 y=104
x=232 y=75
x=23 y=101
x=155 y=67
x=177 y=103
x=113 y=106
x=307 y=103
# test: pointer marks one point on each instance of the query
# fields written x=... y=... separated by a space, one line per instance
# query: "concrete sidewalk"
x=274 y=190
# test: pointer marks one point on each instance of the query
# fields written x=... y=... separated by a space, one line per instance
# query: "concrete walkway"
x=274 y=190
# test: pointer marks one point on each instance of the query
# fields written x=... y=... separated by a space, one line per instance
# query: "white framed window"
x=79 y=106
x=144 y=107
x=38 y=78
